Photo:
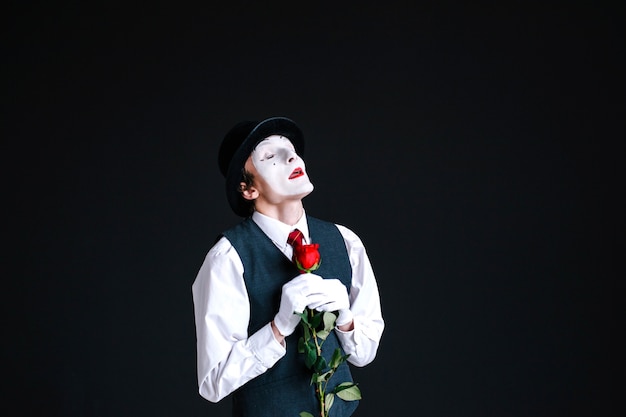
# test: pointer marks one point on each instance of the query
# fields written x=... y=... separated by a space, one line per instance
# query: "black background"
x=490 y=136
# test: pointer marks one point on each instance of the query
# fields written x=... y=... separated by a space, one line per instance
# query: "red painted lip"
x=298 y=172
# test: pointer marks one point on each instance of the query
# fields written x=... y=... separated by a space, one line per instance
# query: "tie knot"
x=295 y=238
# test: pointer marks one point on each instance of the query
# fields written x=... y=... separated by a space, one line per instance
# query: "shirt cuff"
x=347 y=339
x=264 y=346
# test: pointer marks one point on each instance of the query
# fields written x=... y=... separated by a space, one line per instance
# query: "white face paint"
x=281 y=169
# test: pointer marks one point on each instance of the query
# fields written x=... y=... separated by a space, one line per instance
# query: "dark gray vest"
x=285 y=389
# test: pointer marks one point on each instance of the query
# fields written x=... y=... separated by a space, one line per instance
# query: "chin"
x=306 y=191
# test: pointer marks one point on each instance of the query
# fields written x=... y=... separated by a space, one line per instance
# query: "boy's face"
x=280 y=172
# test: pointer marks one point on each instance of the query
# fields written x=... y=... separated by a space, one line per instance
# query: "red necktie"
x=295 y=238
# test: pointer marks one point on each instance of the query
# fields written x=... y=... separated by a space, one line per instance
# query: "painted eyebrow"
x=264 y=153
x=260 y=148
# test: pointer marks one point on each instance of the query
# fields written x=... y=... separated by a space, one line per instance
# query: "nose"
x=291 y=157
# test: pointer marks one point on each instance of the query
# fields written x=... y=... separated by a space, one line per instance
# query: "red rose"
x=307 y=257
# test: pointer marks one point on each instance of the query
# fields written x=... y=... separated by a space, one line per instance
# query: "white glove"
x=345 y=317
x=331 y=295
x=293 y=300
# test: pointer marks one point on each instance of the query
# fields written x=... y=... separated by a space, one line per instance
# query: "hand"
x=293 y=300
x=345 y=317
x=330 y=295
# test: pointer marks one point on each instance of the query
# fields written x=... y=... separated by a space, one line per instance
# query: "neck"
x=288 y=213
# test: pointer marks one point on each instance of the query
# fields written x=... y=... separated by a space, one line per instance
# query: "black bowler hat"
x=239 y=143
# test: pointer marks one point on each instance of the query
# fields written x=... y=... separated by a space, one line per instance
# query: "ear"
x=248 y=192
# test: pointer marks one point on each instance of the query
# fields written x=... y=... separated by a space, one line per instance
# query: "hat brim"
x=268 y=127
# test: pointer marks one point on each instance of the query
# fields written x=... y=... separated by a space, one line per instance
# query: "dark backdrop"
x=490 y=137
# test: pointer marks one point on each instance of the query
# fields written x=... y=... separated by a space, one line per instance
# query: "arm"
x=361 y=337
x=227 y=357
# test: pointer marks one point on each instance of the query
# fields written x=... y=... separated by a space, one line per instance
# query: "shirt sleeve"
x=227 y=357
x=361 y=342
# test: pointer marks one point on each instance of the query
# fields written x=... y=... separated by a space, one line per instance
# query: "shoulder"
x=328 y=225
x=221 y=247
x=347 y=233
x=222 y=252
x=349 y=236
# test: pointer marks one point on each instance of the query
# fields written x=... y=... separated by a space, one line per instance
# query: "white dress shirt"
x=228 y=356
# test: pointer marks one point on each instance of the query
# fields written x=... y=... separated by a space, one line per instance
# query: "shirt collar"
x=278 y=231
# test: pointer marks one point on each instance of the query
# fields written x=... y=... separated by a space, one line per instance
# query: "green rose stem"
x=317 y=326
x=320 y=388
